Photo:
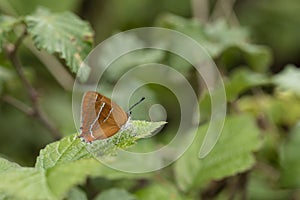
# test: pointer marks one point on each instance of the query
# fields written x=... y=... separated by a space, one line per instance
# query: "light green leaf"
x=77 y=194
x=7 y=24
x=232 y=154
x=62 y=33
x=115 y=194
x=7 y=165
x=68 y=149
x=61 y=178
x=72 y=148
x=289 y=159
x=25 y=183
x=161 y=190
x=53 y=183
x=66 y=163
x=241 y=80
x=288 y=79
x=274 y=107
x=124 y=139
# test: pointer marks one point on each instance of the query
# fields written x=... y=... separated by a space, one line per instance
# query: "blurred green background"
x=258 y=36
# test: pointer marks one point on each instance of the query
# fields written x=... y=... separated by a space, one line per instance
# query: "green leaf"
x=243 y=79
x=288 y=79
x=77 y=194
x=123 y=139
x=274 y=107
x=161 y=190
x=68 y=149
x=61 y=178
x=232 y=154
x=6 y=165
x=289 y=159
x=66 y=163
x=261 y=186
x=53 y=183
x=115 y=194
x=7 y=24
x=218 y=38
x=71 y=148
x=62 y=33
x=25 y=182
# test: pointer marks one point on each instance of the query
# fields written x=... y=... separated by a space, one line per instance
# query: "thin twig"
x=18 y=104
x=200 y=9
x=224 y=8
x=11 y=51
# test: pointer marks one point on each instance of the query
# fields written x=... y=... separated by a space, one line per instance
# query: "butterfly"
x=102 y=118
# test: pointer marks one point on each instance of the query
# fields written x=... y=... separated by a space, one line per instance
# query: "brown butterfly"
x=101 y=118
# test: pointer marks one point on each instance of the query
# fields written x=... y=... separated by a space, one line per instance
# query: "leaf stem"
x=35 y=111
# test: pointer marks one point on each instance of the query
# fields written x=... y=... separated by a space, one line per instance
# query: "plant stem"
x=18 y=104
x=35 y=111
x=200 y=10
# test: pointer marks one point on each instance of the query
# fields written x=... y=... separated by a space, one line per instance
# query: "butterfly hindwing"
x=100 y=117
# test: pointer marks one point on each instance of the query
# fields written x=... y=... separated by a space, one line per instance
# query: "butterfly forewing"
x=100 y=117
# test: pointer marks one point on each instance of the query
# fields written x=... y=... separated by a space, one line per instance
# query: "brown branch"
x=11 y=51
x=18 y=104
x=200 y=10
x=214 y=188
x=240 y=186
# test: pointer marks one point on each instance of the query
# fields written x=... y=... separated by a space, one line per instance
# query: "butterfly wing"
x=100 y=117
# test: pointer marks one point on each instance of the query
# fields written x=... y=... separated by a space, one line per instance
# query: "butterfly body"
x=101 y=118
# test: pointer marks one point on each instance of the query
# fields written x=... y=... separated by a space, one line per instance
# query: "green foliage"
x=258 y=103
x=7 y=165
x=116 y=194
x=219 y=40
x=62 y=33
x=288 y=79
x=65 y=163
x=76 y=194
x=126 y=138
x=7 y=24
x=162 y=190
x=232 y=154
x=242 y=80
x=289 y=158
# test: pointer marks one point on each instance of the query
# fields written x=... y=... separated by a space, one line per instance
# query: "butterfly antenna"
x=134 y=105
